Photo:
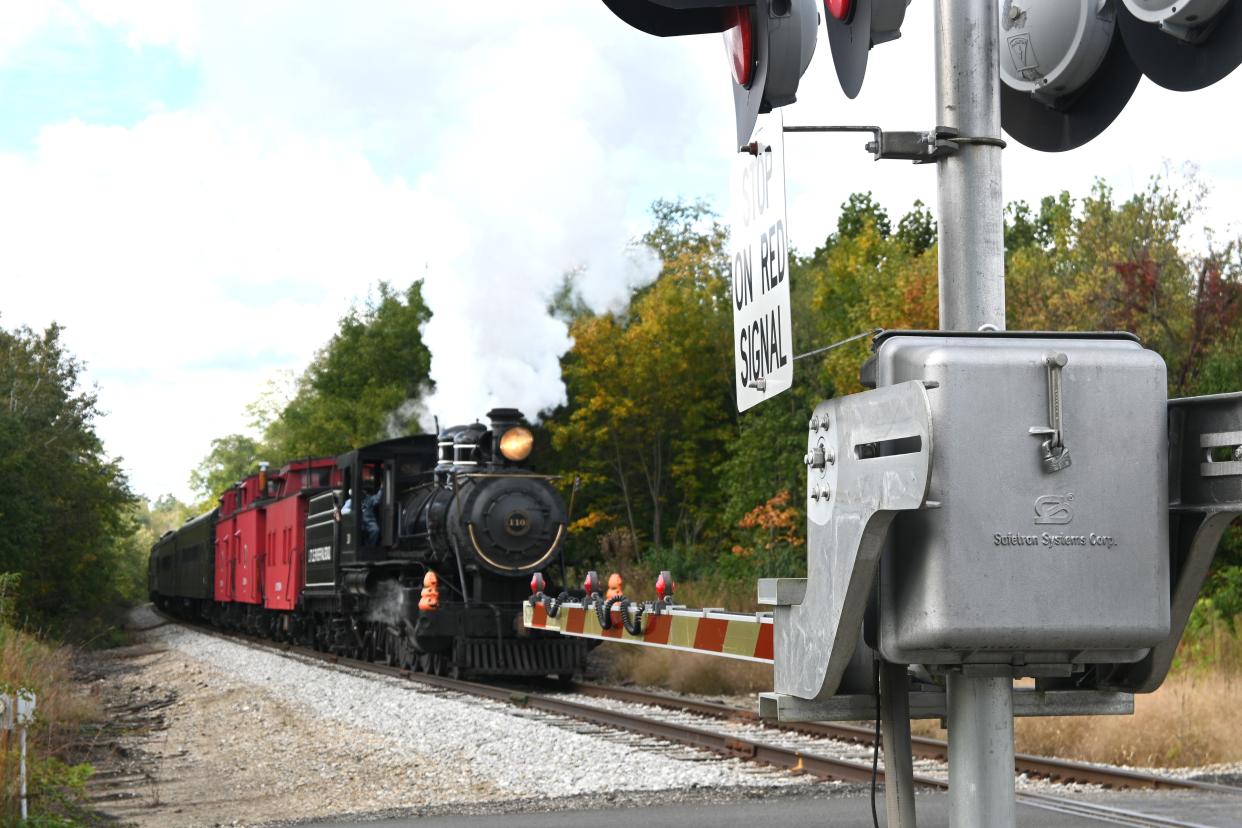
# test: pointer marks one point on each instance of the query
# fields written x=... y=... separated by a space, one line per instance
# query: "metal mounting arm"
x=869 y=457
x=919 y=147
x=1205 y=496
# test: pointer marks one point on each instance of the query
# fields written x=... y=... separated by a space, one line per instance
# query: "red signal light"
x=739 y=43
x=840 y=9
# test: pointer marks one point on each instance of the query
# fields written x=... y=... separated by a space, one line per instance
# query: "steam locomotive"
x=416 y=551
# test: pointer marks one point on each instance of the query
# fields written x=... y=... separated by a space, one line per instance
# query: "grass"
x=1193 y=719
x=27 y=661
x=685 y=672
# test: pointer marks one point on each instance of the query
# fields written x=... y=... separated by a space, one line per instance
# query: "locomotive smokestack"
x=504 y=419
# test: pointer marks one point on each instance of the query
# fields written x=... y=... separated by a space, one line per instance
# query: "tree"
x=651 y=390
x=232 y=458
x=66 y=511
x=367 y=383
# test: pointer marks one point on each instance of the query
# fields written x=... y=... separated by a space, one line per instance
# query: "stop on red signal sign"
x=759 y=265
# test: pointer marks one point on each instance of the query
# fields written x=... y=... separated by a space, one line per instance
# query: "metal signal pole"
x=972 y=296
x=970 y=208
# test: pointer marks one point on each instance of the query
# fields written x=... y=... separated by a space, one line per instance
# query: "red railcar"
x=285 y=565
x=226 y=553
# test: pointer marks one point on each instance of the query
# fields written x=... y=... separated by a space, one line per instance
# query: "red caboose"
x=226 y=555
x=285 y=573
x=241 y=548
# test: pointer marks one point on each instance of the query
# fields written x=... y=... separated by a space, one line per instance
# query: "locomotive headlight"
x=516 y=443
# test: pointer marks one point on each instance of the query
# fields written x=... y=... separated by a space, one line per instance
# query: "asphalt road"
x=1220 y=811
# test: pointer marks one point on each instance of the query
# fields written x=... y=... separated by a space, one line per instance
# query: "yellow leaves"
x=591 y=520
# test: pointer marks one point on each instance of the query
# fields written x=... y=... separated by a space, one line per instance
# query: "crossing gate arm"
x=745 y=636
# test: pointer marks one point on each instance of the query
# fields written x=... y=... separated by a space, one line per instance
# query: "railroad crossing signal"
x=1069 y=69
x=769 y=43
x=964 y=512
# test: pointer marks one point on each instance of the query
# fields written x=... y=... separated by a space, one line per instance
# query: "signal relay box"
x=1044 y=538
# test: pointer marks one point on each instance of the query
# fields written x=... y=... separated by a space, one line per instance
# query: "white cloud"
x=21 y=22
x=150 y=22
x=188 y=258
x=197 y=251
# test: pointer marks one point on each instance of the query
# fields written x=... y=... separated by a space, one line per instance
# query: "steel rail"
x=1057 y=770
x=796 y=761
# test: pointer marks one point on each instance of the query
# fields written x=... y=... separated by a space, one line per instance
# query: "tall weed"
x=27 y=661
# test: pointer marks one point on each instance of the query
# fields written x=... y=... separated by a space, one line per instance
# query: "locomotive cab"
x=389 y=471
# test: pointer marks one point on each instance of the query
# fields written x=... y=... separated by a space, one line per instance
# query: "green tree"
x=66 y=511
x=231 y=458
x=368 y=382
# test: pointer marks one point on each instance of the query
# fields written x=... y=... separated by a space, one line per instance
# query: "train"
x=416 y=551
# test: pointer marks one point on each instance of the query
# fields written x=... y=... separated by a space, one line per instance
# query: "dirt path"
x=187 y=744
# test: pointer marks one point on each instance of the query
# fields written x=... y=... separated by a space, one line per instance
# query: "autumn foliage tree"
x=649 y=415
x=651 y=424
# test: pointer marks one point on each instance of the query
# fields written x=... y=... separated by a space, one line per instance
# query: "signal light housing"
x=673 y=18
x=1065 y=73
x=1183 y=45
x=1069 y=69
x=854 y=26
x=769 y=43
x=784 y=41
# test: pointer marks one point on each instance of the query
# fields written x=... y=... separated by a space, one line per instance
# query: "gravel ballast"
x=520 y=752
x=253 y=736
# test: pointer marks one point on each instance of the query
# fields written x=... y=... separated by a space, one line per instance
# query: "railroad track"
x=1055 y=770
x=742 y=747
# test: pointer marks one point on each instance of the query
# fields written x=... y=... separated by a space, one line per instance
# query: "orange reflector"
x=430 y=598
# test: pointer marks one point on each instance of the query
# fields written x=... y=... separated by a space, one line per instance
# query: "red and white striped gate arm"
x=746 y=636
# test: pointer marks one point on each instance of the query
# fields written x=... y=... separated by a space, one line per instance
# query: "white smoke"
x=517 y=210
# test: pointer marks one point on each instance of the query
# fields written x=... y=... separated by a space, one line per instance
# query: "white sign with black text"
x=759 y=257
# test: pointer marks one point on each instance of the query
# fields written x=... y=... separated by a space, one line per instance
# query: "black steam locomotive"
x=416 y=550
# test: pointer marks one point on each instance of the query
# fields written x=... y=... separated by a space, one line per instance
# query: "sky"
x=197 y=191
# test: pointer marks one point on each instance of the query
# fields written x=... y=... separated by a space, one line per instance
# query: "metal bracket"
x=880 y=445
x=919 y=147
x=1205 y=496
x=930 y=704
